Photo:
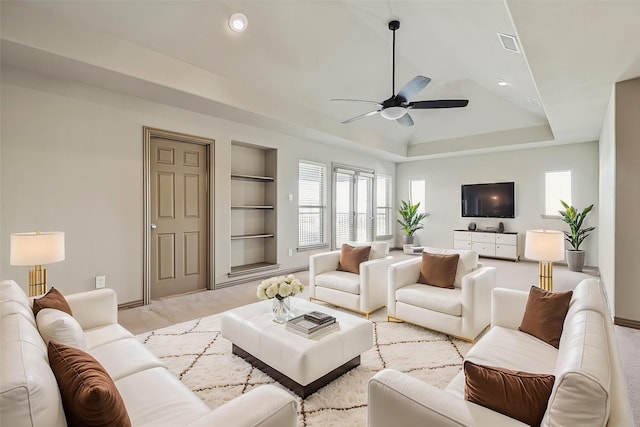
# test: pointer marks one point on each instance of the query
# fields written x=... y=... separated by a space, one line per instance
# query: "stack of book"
x=312 y=324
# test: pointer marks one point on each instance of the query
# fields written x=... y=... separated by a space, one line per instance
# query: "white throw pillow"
x=60 y=327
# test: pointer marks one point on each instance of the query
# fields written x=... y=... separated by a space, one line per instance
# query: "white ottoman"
x=302 y=365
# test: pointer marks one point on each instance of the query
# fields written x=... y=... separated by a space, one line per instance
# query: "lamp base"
x=37 y=281
x=546 y=275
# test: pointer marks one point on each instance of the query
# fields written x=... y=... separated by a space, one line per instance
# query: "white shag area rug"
x=201 y=358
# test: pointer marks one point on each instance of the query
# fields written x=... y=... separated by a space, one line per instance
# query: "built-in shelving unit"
x=253 y=209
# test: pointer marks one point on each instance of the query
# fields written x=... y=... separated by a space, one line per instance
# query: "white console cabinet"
x=488 y=244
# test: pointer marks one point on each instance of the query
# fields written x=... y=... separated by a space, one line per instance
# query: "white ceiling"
x=297 y=55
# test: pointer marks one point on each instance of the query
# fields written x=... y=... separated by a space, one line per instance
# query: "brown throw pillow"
x=438 y=269
x=89 y=396
x=518 y=395
x=351 y=257
x=544 y=315
x=52 y=299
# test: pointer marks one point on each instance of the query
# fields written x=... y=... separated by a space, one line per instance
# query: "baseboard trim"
x=265 y=275
x=626 y=323
x=132 y=304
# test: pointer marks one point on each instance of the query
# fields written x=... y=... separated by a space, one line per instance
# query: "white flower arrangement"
x=279 y=287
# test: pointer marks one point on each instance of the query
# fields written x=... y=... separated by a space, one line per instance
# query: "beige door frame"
x=148 y=133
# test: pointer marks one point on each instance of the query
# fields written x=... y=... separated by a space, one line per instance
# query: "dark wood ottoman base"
x=301 y=390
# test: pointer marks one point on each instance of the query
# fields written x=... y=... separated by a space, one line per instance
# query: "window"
x=557 y=187
x=312 y=204
x=418 y=194
x=383 y=207
x=354 y=209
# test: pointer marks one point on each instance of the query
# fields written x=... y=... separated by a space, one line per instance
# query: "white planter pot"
x=575 y=260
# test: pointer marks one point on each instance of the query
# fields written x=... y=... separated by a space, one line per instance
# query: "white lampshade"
x=37 y=248
x=544 y=245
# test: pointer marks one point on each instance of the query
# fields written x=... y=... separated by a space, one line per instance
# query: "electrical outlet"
x=101 y=281
x=290 y=252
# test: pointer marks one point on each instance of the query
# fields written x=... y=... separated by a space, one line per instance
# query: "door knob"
x=153 y=226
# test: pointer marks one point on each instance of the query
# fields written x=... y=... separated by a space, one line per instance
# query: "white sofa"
x=363 y=293
x=463 y=312
x=29 y=394
x=589 y=387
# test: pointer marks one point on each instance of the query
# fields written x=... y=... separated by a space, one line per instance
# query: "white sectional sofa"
x=589 y=387
x=29 y=394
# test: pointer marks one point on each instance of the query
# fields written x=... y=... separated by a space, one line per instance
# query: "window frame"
x=322 y=207
x=546 y=214
x=388 y=206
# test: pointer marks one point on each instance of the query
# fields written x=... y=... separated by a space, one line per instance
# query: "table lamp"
x=36 y=249
x=545 y=246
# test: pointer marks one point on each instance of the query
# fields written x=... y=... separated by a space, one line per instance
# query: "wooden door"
x=179 y=216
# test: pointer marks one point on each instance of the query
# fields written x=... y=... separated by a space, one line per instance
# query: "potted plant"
x=576 y=235
x=410 y=220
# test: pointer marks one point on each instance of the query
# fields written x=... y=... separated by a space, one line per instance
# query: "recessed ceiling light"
x=238 y=22
x=503 y=83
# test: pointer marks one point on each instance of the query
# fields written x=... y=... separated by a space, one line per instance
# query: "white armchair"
x=463 y=312
x=363 y=293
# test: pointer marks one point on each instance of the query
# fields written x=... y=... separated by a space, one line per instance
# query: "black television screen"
x=488 y=200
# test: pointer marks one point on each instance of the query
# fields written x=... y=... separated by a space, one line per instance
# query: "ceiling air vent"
x=510 y=43
x=534 y=101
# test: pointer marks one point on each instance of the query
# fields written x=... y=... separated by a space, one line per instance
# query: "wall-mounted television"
x=495 y=200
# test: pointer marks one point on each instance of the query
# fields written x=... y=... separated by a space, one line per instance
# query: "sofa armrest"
x=507 y=307
x=321 y=263
x=94 y=308
x=401 y=274
x=476 y=299
x=264 y=406
x=373 y=283
x=396 y=398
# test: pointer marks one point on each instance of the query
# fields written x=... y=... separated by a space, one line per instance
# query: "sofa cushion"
x=11 y=291
x=125 y=357
x=467 y=262
x=351 y=257
x=89 y=396
x=580 y=395
x=519 y=395
x=545 y=313
x=340 y=281
x=17 y=328
x=442 y=300
x=58 y=326
x=438 y=269
x=105 y=334
x=513 y=350
x=378 y=249
x=165 y=401
x=29 y=395
x=9 y=307
x=52 y=299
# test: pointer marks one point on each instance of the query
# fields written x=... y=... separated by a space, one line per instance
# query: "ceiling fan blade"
x=413 y=87
x=358 y=100
x=361 y=116
x=438 y=103
x=405 y=120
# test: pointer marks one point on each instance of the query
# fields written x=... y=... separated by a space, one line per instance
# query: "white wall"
x=526 y=168
x=72 y=161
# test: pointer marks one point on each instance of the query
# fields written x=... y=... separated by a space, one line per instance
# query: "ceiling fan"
x=397 y=106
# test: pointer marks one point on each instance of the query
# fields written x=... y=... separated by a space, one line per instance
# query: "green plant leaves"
x=410 y=217
x=571 y=216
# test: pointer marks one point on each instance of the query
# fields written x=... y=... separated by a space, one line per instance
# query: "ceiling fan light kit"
x=397 y=106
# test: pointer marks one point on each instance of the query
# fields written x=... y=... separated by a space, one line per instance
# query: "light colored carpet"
x=201 y=358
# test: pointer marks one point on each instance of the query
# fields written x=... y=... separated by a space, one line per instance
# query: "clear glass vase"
x=281 y=310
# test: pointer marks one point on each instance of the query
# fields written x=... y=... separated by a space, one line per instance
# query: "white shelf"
x=251 y=236
x=252 y=178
